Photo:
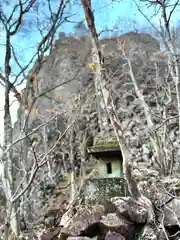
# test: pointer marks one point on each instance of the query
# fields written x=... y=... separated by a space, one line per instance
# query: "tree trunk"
x=45 y=139
x=72 y=165
x=102 y=79
x=8 y=176
x=25 y=213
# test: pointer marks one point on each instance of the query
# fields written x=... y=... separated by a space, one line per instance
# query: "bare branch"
x=171 y=12
x=43 y=162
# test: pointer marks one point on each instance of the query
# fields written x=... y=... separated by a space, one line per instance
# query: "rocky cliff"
x=65 y=89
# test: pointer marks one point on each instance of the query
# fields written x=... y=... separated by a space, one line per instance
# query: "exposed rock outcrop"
x=129 y=222
x=91 y=222
x=114 y=236
x=130 y=209
x=67 y=89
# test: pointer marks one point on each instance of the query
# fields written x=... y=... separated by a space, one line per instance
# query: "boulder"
x=130 y=209
x=147 y=233
x=79 y=238
x=119 y=225
x=114 y=236
x=85 y=216
x=52 y=235
x=66 y=218
x=170 y=216
x=153 y=233
x=171 y=213
x=91 y=222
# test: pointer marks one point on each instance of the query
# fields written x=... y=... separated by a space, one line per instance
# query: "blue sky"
x=122 y=13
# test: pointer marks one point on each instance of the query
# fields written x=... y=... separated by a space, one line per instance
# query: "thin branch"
x=165 y=121
x=18 y=22
x=43 y=161
x=171 y=12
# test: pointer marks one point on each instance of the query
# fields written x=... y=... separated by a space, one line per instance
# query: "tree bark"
x=110 y=111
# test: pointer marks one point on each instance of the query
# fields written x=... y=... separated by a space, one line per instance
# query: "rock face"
x=114 y=236
x=171 y=213
x=49 y=236
x=148 y=233
x=130 y=209
x=84 y=217
x=101 y=191
x=64 y=77
x=128 y=222
x=66 y=88
x=118 y=225
x=78 y=238
x=92 y=222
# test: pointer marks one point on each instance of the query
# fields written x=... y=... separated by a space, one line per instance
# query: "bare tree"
x=166 y=10
x=101 y=79
x=157 y=132
x=13 y=22
x=167 y=87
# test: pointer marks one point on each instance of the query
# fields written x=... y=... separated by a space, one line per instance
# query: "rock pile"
x=127 y=222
